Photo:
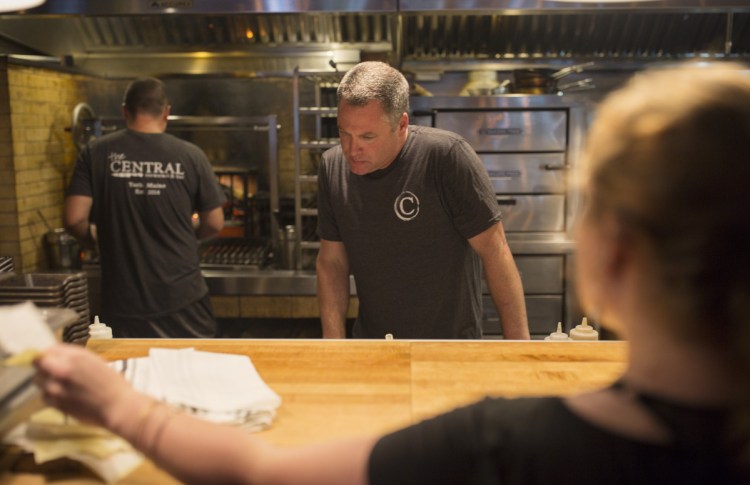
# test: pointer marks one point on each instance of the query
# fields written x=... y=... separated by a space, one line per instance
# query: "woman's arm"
x=79 y=383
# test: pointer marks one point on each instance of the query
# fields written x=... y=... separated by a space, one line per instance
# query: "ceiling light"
x=14 y=5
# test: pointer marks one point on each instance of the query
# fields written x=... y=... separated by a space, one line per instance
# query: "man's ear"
x=403 y=122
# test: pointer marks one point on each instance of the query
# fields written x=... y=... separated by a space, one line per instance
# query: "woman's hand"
x=79 y=383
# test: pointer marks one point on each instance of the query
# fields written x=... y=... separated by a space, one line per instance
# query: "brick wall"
x=36 y=155
x=9 y=237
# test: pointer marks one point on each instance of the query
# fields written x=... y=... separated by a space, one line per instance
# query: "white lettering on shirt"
x=121 y=167
x=406 y=206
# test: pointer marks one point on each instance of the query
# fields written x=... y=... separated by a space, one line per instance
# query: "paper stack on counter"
x=222 y=388
x=48 y=433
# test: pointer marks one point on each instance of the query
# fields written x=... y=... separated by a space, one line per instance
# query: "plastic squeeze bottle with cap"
x=584 y=331
x=98 y=330
x=558 y=335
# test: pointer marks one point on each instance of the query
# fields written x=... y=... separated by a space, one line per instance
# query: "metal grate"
x=236 y=31
x=623 y=36
x=430 y=36
x=231 y=252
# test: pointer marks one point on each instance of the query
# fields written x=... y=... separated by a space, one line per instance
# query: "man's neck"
x=147 y=124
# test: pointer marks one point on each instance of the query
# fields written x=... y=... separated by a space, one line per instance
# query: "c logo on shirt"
x=406 y=206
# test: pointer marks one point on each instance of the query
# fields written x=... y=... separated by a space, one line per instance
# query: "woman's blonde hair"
x=669 y=155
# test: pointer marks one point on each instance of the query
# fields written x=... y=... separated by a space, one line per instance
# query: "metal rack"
x=324 y=135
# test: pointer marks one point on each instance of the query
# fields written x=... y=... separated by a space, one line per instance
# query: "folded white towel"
x=223 y=388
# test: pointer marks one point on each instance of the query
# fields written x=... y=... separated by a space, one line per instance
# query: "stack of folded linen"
x=224 y=388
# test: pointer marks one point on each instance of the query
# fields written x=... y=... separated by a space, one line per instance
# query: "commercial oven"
x=529 y=146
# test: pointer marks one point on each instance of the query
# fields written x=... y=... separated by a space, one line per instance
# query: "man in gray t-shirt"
x=410 y=212
x=140 y=188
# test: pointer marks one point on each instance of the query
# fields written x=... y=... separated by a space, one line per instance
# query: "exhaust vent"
x=619 y=36
x=225 y=32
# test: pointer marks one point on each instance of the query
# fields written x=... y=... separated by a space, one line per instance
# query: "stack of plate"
x=60 y=290
x=6 y=264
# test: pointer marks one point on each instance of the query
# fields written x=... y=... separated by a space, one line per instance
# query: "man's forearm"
x=82 y=231
x=333 y=309
x=333 y=299
x=506 y=289
x=512 y=311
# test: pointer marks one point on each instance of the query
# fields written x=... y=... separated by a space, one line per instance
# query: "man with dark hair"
x=134 y=193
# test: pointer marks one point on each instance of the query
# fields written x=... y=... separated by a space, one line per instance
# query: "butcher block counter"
x=337 y=388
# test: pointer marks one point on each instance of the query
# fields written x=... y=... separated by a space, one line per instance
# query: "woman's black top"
x=540 y=441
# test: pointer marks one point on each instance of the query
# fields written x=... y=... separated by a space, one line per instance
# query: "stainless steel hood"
x=132 y=7
x=137 y=7
x=123 y=37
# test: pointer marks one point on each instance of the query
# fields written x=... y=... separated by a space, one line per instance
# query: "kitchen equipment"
x=537 y=80
x=288 y=247
x=485 y=83
x=240 y=214
x=57 y=290
x=63 y=250
x=527 y=144
x=234 y=253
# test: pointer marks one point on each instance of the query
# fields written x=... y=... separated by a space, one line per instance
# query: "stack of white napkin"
x=223 y=388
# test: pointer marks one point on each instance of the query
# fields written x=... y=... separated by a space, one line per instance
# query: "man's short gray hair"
x=376 y=81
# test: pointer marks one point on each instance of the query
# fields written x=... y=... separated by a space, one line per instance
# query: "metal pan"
x=542 y=80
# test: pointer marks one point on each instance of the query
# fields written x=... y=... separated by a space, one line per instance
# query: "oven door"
x=508 y=130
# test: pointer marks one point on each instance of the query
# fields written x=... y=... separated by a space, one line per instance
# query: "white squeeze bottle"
x=584 y=331
x=558 y=335
x=98 y=330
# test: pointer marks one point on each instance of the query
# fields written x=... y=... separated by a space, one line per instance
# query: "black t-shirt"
x=540 y=441
x=405 y=230
x=145 y=188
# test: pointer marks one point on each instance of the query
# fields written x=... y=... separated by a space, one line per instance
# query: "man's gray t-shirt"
x=405 y=230
x=145 y=188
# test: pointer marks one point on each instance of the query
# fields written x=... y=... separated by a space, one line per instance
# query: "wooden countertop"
x=333 y=389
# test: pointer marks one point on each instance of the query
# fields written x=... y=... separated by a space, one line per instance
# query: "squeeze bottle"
x=558 y=335
x=98 y=330
x=584 y=331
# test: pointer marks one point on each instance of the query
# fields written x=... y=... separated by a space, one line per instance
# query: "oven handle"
x=551 y=167
x=505 y=200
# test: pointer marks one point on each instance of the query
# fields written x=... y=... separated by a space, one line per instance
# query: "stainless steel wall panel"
x=533 y=213
x=541 y=274
x=543 y=311
x=494 y=131
x=526 y=172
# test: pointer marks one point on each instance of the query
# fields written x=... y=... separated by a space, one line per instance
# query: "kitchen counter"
x=335 y=389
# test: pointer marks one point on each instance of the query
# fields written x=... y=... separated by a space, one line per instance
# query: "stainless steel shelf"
x=265 y=282
x=319 y=144
x=318 y=110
